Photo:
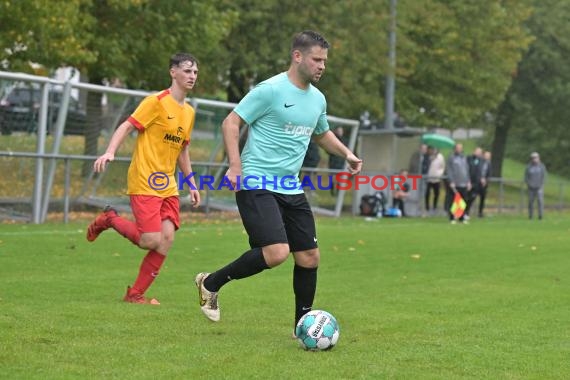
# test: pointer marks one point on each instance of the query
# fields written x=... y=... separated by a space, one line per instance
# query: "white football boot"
x=208 y=300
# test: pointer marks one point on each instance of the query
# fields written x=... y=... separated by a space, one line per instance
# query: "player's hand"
x=469 y=187
x=354 y=164
x=483 y=182
x=101 y=163
x=232 y=175
x=195 y=198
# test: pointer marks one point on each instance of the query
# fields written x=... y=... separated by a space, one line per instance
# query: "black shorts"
x=271 y=218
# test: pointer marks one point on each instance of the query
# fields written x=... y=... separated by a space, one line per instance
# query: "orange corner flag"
x=458 y=206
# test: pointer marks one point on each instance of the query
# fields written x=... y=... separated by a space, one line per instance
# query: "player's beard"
x=316 y=78
x=309 y=77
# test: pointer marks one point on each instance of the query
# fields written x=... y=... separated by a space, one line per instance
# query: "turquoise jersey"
x=281 y=118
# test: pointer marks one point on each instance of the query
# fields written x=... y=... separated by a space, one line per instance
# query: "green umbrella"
x=438 y=141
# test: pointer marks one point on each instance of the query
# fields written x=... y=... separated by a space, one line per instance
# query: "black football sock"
x=248 y=264
x=304 y=286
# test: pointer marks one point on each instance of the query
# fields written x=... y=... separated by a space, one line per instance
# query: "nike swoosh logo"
x=305 y=308
x=288 y=105
x=170 y=117
x=315 y=239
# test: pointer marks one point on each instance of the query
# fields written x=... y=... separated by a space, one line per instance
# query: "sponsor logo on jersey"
x=171 y=138
x=297 y=130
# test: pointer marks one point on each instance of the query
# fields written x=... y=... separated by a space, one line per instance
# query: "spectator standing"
x=312 y=157
x=336 y=162
x=419 y=162
x=485 y=175
x=458 y=177
x=475 y=162
x=534 y=177
x=311 y=161
x=435 y=171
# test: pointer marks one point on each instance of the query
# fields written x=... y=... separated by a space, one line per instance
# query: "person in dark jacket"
x=485 y=176
x=419 y=161
x=401 y=193
x=311 y=161
x=475 y=163
x=336 y=162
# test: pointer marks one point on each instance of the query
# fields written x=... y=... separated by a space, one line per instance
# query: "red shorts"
x=149 y=212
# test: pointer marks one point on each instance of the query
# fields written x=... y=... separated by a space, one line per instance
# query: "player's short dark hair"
x=178 y=58
x=307 y=39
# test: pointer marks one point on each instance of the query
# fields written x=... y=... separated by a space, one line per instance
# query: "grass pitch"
x=415 y=299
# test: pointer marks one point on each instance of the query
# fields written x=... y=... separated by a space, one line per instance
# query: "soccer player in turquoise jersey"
x=283 y=112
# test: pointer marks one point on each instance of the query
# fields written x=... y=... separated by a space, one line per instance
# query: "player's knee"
x=275 y=254
x=154 y=244
x=309 y=258
x=313 y=258
x=168 y=238
x=150 y=241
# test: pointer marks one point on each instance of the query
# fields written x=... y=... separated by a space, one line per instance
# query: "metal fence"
x=46 y=154
x=51 y=131
x=69 y=193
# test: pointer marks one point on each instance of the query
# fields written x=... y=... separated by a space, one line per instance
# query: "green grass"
x=415 y=299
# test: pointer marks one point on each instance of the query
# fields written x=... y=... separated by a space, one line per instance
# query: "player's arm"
x=186 y=167
x=329 y=142
x=230 y=132
x=117 y=139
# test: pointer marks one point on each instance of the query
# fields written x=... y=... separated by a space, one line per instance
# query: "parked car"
x=19 y=112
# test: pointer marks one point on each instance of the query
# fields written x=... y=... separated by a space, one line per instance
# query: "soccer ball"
x=317 y=330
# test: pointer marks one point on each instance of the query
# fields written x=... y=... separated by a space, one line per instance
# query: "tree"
x=258 y=44
x=458 y=57
x=455 y=59
x=133 y=39
x=533 y=115
x=357 y=66
x=45 y=32
x=258 y=47
x=130 y=40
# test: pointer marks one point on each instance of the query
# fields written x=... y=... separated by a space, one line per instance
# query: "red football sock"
x=126 y=228
x=148 y=271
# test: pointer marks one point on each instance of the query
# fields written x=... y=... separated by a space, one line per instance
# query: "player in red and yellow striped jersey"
x=164 y=123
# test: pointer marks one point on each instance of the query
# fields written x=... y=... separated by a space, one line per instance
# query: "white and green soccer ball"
x=317 y=330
